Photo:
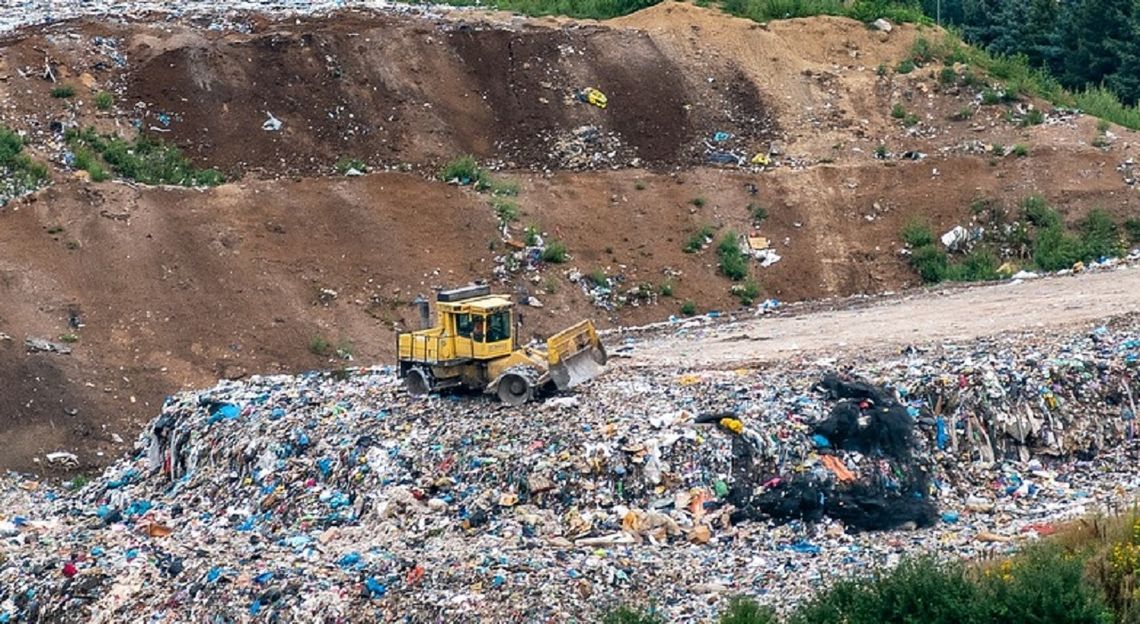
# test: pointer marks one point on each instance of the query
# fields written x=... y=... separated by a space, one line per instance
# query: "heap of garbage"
x=336 y=497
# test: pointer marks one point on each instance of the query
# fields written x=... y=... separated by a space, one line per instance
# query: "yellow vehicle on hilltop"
x=473 y=344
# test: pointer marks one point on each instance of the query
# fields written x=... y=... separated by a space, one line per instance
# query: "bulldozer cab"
x=482 y=328
x=471 y=324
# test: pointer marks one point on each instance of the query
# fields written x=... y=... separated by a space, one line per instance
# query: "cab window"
x=463 y=325
x=499 y=326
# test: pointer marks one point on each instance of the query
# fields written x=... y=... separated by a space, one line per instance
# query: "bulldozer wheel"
x=417 y=382
x=514 y=389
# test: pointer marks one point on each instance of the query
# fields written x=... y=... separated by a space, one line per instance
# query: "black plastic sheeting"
x=894 y=483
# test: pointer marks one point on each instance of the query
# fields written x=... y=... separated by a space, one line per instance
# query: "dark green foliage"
x=104 y=100
x=346 y=164
x=1132 y=228
x=1054 y=249
x=947 y=76
x=931 y=263
x=699 y=202
x=1043 y=585
x=18 y=172
x=905 y=66
x=1020 y=150
x=862 y=10
x=63 y=91
x=742 y=610
x=897 y=111
x=464 y=170
x=917 y=234
x=977 y=266
x=990 y=97
x=555 y=253
x=146 y=160
x=699 y=239
x=733 y=261
x=758 y=212
x=746 y=292
x=1100 y=237
x=1033 y=118
x=598 y=277
x=688 y=308
x=1039 y=212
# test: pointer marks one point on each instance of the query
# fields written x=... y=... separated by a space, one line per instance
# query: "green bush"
x=18 y=172
x=910 y=120
x=555 y=253
x=1132 y=228
x=917 y=591
x=688 y=308
x=319 y=346
x=464 y=170
x=746 y=292
x=977 y=266
x=146 y=160
x=104 y=100
x=897 y=111
x=1021 y=150
x=947 y=76
x=1054 y=249
x=530 y=236
x=743 y=610
x=699 y=202
x=63 y=91
x=504 y=187
x=917 y=234
x=990 y=97
x=506 y=210
x=699 y=239
x=346 y=164
x=1043 y=584
x=665 y=289
x=1033 y=118
x=627 y=615
x=1100 y=236
x=598 y=277
x=931 y=263
x=758 y=212
x=1038 y=212
x=905 y=67
x=733 y=261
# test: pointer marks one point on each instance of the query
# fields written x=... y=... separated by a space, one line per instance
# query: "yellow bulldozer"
x=474 y=345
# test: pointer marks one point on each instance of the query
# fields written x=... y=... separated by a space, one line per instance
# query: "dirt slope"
x=177 y=287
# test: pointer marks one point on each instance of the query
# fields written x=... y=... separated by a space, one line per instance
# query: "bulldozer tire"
x=514 y=389
x=417 y=382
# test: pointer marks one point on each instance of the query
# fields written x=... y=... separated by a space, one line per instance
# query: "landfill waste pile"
x=338 y=498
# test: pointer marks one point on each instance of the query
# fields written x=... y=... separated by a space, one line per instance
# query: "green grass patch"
x=757 y=212
x=346 y=164
x=917 y=234
x=63 y=91
x=1132 y=229
x=733 y=261
x=1020 y=150
x=688 y=308
x=505 y=209
x=700 y=238
x=699 y=202
x=146 y=160
x=898 y=111
x=599 y=278
x=19 y=174
x=665 y=289
x=746 y=292
x=104 y=101
x=1039 y=213
x=555 y=253
x=318 y=345
x=531 y=236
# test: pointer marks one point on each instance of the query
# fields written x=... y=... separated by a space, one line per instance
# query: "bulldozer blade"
x=578 y=368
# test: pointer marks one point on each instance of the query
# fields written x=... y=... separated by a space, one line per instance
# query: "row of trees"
x=1081 y=42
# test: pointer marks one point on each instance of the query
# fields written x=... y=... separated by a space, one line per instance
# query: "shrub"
x=917 y=234
x=319 y=346
x=699 y=202
x=758 y=212
x=897 y=111
x=905 y=67
x=639 y=185
x=733 y=261
x=506 y=210
x=1021 y=150
x=344 y=165
x=555 y=253
x=665 y=289
x=1102 y=125
x=104 y=100
x=1132 y=228
x=530 y=236
x=1038 y=212
x=18 y=172
x=910 y=120
x=598 y=277
x=999 y=150
x=931 y=263
x=63 y=91
x=978 y=265
x=990 y=97
x=1043 y=584
x=881 y=70
x=743 y=610
x=688 y=308
x=922 y=51
x=916 y=591
x=1054 y=249
x=146 y=160
x=746 y=292
x=504 y=187
x=69 y=338
x=465 y=171
x=1033 y=118
x=699 y=239
x=947 y=76
x=880 y=151
x=1100 y=235
x=627 y=615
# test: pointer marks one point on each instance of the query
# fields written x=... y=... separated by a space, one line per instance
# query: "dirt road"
x=1043 y=305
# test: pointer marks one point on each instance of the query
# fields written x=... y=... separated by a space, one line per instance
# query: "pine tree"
x=1091 y=31
x=1009 y=28
x=1125 y=82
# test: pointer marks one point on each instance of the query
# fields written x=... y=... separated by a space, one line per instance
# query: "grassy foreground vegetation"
x=19 y=174
x=1086 y=574
x=146 y=160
